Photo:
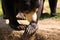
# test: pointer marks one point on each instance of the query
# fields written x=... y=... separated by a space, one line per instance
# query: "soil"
x=48 y=29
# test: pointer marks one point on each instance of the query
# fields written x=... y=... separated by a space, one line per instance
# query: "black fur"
x=12 y=7
x=53 y=5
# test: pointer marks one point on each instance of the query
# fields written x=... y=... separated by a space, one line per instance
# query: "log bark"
x=7 y=33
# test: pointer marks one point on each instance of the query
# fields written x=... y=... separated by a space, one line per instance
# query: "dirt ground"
x=48 y=29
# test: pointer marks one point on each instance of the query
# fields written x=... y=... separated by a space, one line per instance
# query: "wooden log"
x=7 y=33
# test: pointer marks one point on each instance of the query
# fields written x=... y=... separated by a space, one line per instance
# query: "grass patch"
x=1 y=12
x=47 y=15
x=46 y=0
x=58 y=14
x=0 y=9
x=58 y=10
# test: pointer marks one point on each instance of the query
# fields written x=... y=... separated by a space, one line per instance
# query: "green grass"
x=0 y=9
x=58 y=10
x=58 y=14
x=46 y=0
